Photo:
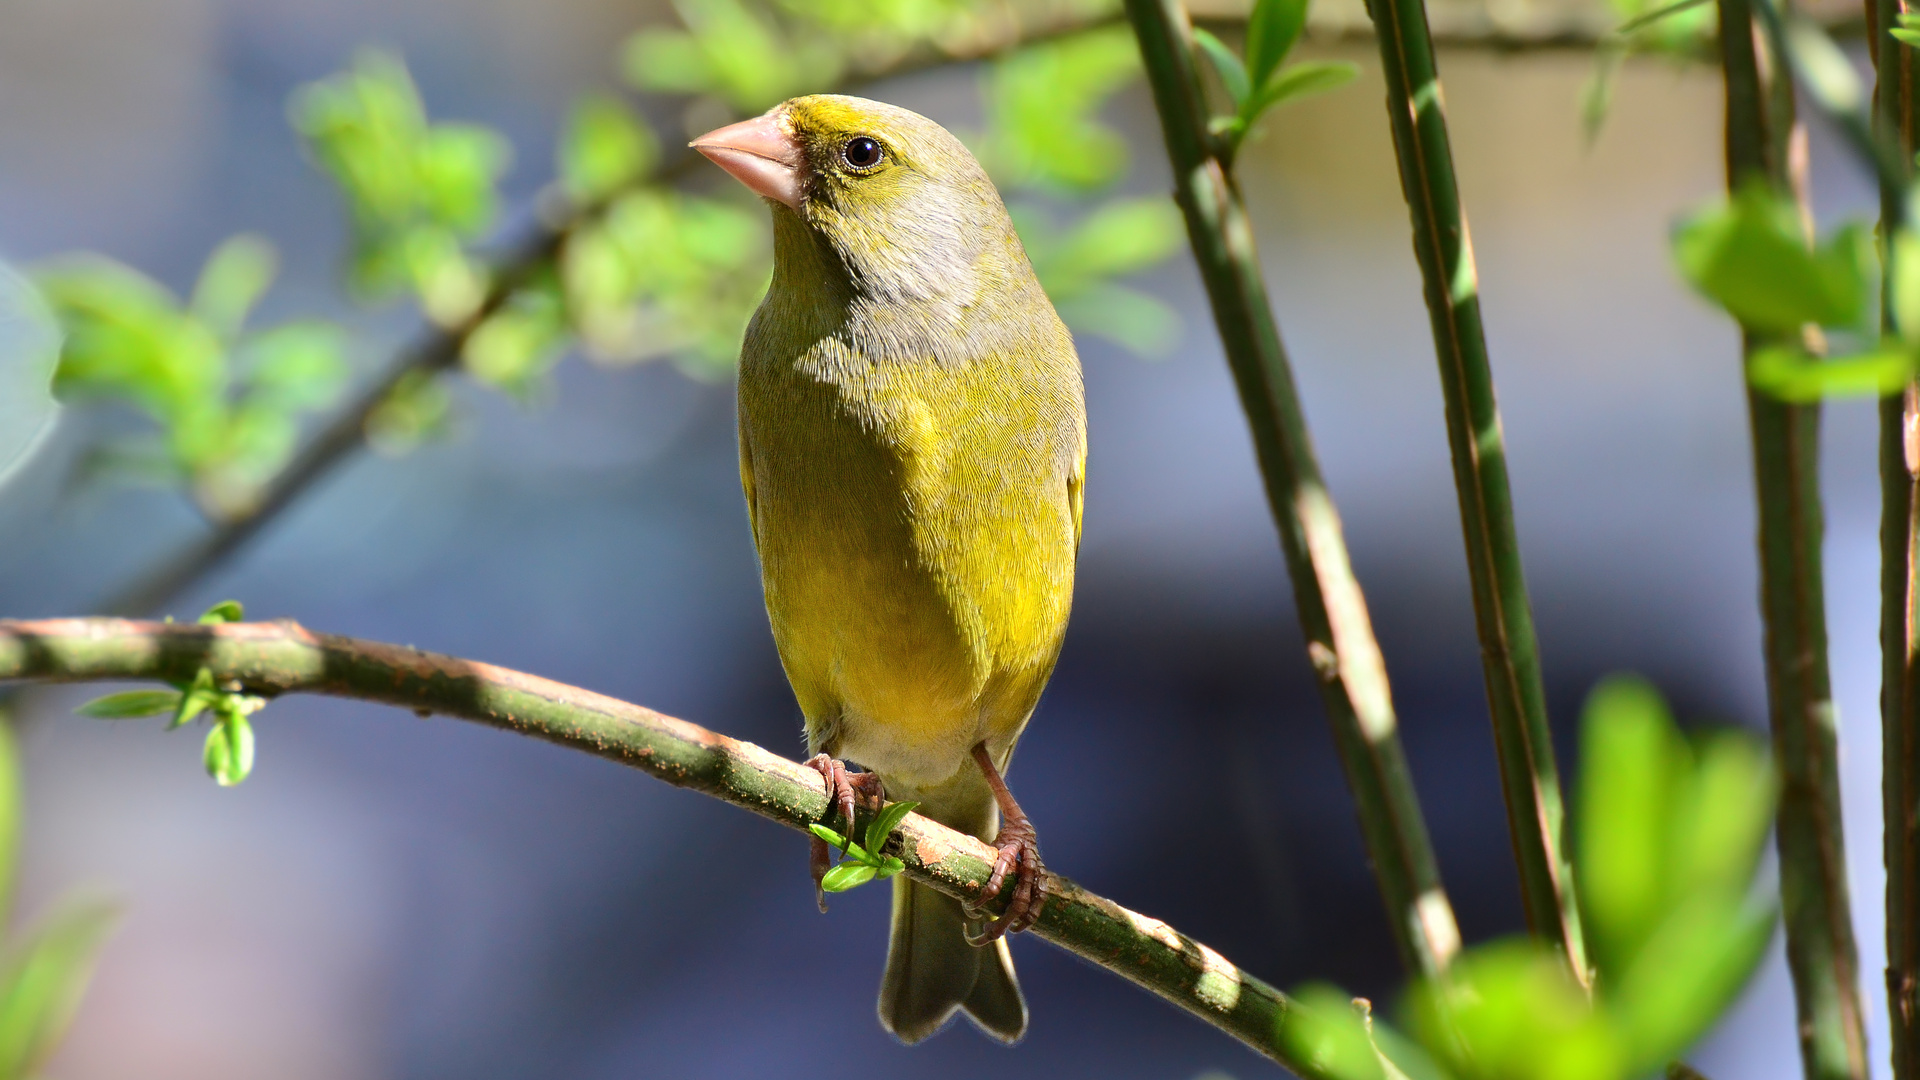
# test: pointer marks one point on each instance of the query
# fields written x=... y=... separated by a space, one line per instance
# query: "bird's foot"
x=1018 y=848
x=845 y=790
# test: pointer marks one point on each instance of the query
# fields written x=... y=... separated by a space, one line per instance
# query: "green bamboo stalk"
x=277 y=658
x=1509 y=654
x=1327 y=597
x=1897 y=119
x=1813 y=868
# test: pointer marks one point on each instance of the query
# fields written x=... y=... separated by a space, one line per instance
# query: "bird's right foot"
x=844 y=791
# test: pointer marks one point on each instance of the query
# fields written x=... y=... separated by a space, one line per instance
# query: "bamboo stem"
x=1327 y=597
x=271 y=659
x=1813 y=871
x=1896 y=119
x=1516 y=697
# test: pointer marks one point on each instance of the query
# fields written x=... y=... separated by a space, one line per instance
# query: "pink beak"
x=760 y=154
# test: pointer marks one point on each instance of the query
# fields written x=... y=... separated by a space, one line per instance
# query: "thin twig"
x=1529 y=777
x=282 y=658
x=439 y=348
x=1813 y=868
x=1327 y=598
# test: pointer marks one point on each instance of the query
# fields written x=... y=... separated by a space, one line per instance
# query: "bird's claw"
x=1019 y=854
x=845 y=790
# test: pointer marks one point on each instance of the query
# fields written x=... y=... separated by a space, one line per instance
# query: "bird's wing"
x=746 y=486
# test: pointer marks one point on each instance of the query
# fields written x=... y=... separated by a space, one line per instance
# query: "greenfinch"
x=913 y=449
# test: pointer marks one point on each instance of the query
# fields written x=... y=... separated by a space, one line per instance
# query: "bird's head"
x=899 y=201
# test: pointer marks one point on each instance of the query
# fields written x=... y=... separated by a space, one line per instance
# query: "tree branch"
x=271 y=659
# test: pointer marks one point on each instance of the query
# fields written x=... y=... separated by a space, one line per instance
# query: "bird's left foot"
x=1018 y=848
x=844 y=791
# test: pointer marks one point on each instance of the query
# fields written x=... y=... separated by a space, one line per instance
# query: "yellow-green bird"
x=913 y=446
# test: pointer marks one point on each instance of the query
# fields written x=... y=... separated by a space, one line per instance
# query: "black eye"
x=862 y=152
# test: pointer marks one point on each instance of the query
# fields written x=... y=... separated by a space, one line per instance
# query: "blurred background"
x=395 y=897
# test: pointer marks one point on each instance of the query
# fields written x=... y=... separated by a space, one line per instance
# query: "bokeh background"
x=393 y=897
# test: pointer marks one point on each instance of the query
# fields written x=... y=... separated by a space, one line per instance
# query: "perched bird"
x=913 y=446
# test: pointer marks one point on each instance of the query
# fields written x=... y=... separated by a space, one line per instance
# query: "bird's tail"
x=931 y=971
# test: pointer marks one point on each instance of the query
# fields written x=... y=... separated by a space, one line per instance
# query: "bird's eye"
x=862 y=152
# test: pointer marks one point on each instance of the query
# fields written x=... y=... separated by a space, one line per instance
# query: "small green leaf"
x=890 y=866
x=1233 y=73
x=1750 y=255
x=1823 y=69
x=45 y=978
x=1304 y=79
x=129 y=704
x=1511 y=1010
x=1632 y=759
x=847 y=876
x=235 y=275
x=226 y=611
x=1903 y=283
x=1693 y=967
x=229 y=750
x=1790 y=374
x=887 y=821
x=196 y=697
x=1272 y=29
x=605 y=147
x=1906 y=37
x=296 y=365
x=1326 y=1033
x=829 y=836
x=1642 y=21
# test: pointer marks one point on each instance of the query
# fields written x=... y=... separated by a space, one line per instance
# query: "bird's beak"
x=760 y=153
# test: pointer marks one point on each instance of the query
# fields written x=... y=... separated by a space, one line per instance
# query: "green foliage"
x=415 y=189
x=228 y=753
x=1669 y=836
x=1908 y=30
x=1751 y=257
x=1678 y=29
x=1260 y=82
x=604 y=148
x=861 y=864
x=227 y=401
x=1078 y=267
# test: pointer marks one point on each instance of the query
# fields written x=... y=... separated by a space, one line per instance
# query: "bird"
x=913 y=445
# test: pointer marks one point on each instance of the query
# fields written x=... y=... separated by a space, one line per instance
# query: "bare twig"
x=282 y=658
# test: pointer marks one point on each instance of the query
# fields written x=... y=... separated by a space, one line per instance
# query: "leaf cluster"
x=861 y=864
x=1751 y=255
x=1669 y=836
x=228 y=752
x=227 y=400
x=1264 y=79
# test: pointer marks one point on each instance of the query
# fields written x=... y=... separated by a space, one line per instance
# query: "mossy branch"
x=271 y=659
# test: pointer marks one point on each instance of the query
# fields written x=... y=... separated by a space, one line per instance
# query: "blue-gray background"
x=391 y=897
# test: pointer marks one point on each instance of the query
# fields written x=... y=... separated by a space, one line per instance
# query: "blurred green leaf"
x=1511 y=1011
x=45 y=977
x=1688 y=973
x=1041 y=105
x=229 y=750
x=1791 y=374
x=458 y=164
x=196 y=697
x=226 y=611
x=1908 y=32
x=1750 y=256
x=129 y=704
x=1272 y=29
x=846 y=876
x=1233 y=73
x=1631 y=760
x=1139 y=322
x=1327 y=1034
x=605 y=147
x=1303 y=79
x=29 y=356
x=418 y=409
x=518 y=344
x=1903 y=283
x=1722 y=814
x=235 y=276
x=295 y=366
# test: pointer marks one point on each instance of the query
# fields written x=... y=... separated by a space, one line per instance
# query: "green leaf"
x=1790 y=374
x=519 y=343
x=1139 y=322
x=195 y=697
x=1903 y=283
x=235 y=276
x=1722 y=816
x=1272 y=29
x=846 y=876
x=296 y=365
x=229 y=750
x=458 y=165
x=129 y=704
x=605 y=147
x=226 y=611
x=1823 y=69
x=1304 y=79
x=45 y=978
x=1642 y=21
x=1693 y=967
x=888 y=820
x=1750 y=256
x=1905 y=37
x=1632 y=759
x=1042 y=103
x=829 y=836
x=1329 y=1036
x=1511 y=1010
x=1233 y=73
x=890 y=866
